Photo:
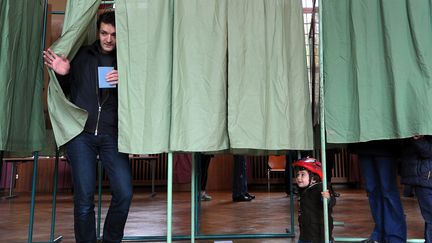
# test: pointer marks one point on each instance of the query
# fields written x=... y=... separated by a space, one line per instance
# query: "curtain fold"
x=144 y=52
x=377 y=67
x=201 y=76
x=199 y=84
x=238 y=79
x=79 y=27
x=22 y=125
x=269 y=104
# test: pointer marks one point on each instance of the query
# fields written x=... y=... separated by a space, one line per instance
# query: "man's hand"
x=60 y=64
x=112 y=77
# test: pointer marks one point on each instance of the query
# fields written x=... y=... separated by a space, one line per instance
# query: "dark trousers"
x=204 y=162
x=82 y=152
x=424 y=197
x=379 y=173
x=239 y=187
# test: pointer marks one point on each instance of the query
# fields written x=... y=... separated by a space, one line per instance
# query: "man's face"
x=107 y=37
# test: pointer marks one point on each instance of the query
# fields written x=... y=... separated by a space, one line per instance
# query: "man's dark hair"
x=107 y=18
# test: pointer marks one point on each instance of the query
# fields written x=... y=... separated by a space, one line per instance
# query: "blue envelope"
x=103 y=83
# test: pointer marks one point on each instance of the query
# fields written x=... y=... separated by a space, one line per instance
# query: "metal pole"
x=291 y=194
x=197 y=181
x=54 y=203
x=44 y=24
x=193 y=205
x=33 y=195
x=322 y=124
x=12 y=179
x=169 y=201
x=1 y=163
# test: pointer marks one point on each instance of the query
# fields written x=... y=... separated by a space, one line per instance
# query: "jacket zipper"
x=99 y=103
x=97 y=121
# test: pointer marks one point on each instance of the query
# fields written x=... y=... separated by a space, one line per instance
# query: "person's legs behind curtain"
x=424 y=197
x=373 y=189
x=393 y=215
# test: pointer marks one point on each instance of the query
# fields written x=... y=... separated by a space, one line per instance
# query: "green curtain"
x=144 y=56
x=268 y=94
x=377 y=69
x=22 y=125
x=67 y=119
x=235 y=78
x=199 y=84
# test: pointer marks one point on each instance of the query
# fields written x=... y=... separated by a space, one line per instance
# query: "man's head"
x=107 y=31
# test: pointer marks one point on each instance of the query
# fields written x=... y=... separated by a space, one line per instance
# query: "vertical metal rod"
x=193 y=205
x=44 y=24
x=12 y=179
x=322 y=123
x=198 y=175
x=1 y=163
x=54 y=195
x=98 y=228
x=291 y=193
x=153 y=165
x=33 y=195
x=169 y=201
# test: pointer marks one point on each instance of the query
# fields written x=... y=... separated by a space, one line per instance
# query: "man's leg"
x=424 y=197
x=372 y=186
x=239 y=180
x=118 y=171
x=393 y=215
x=205 y=162
x=203 y=165
x=81 y=152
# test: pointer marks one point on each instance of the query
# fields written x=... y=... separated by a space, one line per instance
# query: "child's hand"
x=326 y=194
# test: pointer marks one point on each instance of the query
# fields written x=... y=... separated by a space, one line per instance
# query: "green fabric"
x=144 y=56
x=67 y=119
x=377 y=69
x=199 y=76
x=22 y=125
x=260 y=96
x=268 y=95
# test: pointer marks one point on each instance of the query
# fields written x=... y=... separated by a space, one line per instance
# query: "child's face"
x=302 y=178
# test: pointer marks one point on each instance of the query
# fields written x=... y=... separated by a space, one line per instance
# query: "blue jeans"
x=379 y=173
x=82 y=152
x=424 y=197
x=239 y=176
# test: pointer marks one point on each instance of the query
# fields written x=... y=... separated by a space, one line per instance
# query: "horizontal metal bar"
x=348 y=239
x=57 y=12
x=202 y=237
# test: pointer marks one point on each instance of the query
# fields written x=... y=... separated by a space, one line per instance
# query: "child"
x=417 y=171
x=311 y=222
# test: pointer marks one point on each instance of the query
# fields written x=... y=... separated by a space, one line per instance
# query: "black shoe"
x=249 y=195
x=242 y=198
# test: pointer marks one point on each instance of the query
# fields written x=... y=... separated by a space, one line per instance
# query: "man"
x=379 y=169
x=240 y=188
x=79 y=80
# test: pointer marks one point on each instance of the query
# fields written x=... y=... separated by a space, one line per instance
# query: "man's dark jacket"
x=81 y=86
